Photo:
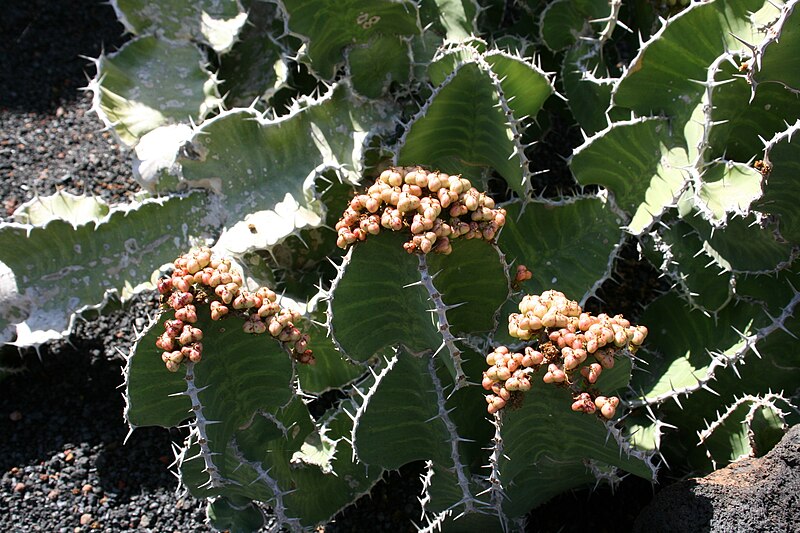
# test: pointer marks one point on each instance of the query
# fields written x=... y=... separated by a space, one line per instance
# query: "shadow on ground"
x=41 y=44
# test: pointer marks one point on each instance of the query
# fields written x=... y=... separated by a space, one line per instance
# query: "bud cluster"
x=435 y=206
x=565 y=338
x=203 y=280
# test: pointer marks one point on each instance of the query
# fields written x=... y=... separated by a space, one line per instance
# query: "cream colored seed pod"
x=454 y=184
x=203 y=257
x=413 y=190
x=274 y=326
x=512 y=384
x=470 y=202
x=515 y=331
x=443 y=195
x=395 y=179
x=639 y=335
x=387 y=195
x=425 y=246
x=373 y=204
x=407 y=202
x=417 y=225
x=192 y=266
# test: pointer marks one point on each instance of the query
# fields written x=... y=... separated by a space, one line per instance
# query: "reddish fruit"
x=164 y=285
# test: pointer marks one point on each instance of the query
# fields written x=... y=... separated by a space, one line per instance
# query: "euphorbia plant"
x=269 y=122
x=248 y=387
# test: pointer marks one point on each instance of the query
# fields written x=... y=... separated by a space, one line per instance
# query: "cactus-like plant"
x=282 y=132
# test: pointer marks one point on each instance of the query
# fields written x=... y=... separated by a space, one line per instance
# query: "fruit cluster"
x=203 y=280
x=565 y=337
x=435 y=206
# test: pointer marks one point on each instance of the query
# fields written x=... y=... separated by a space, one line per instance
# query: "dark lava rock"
x=759 y=494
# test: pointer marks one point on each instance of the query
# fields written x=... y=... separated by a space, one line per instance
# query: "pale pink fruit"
x=173 y=327
x=532 y=357
x=187 y=314
x=554 y=374
x=203 y=257
x=180 y=299
x=592 y=372
x=218 y=310
x=306 y=358
x=164 y=285
x=302 y=344
x=584 y=403
x=503 y=373
x=165 y=342
x=604 y=358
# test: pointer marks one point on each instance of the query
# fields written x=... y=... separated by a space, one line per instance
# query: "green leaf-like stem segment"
x=238 y=375
x=543 y=439
x=150 y=82
x=214 y=22
x=471 y=122
x=706 y=363
x=330 y=25
x=264 y=170
x=416 y=311
x=782 y=189
x=60 y=268
x=662 y=77
x=249 y=432
x=638 y=162
x=544 y=236
x=406 y=410
x=376 y=64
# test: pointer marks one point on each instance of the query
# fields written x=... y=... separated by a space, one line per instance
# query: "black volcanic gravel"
x=63 y=466
x=48 y=138
x=43 y=153
x=63 y=463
